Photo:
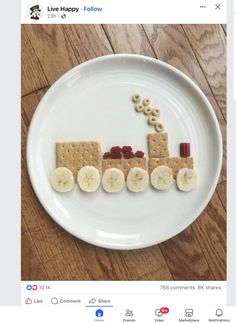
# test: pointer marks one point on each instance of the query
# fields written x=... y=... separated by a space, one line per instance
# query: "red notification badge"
x=165 y=310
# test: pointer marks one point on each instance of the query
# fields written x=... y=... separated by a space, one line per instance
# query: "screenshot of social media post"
x=124 y=164
x=125 y=204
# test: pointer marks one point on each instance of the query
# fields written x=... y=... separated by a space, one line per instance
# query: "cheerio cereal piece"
x=159 y=127
x=147 y=110
x=136 y=98
x=139 y=107
x=146 y=102
x=156 y=112
x=152 y=120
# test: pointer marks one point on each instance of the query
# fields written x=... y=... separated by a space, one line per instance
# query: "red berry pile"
x=126 y=152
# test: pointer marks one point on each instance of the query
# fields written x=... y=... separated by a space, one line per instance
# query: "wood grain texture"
x=52 y=48
x=222 y=192
x=33 y=269
x=185 y=258
x=88 y=41
x=150 y=261
x=210 y=228
x=48 y=252
x=29 y=105
x=32 y=76
x=128 y=39
x=224 y=26
x=209 y=45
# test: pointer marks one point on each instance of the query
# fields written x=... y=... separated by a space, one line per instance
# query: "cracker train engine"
x=121 y=166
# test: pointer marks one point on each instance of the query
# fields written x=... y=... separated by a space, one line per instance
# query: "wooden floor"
x=50 y=253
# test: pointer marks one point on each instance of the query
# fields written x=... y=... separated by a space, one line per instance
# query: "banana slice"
x=113 y=180
x=88 y=178
x=186 y=179
x=162 y=177
x=62 y=180
x=137 y=179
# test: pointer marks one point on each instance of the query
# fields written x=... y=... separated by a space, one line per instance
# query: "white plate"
x=92 y=102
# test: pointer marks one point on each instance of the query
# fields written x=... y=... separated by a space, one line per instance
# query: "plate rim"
x=183 y=76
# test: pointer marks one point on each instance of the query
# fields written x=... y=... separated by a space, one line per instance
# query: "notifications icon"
x=219 y=312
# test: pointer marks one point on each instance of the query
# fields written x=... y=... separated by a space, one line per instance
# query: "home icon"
x=99 y=313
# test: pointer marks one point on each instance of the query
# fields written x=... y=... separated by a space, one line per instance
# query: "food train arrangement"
x=83 y=162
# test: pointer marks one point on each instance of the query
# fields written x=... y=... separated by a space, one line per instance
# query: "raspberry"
x=106 y=155
x=128 y=155
x=126 y=149
x=139 y=154
x=115 y=149
x=116 y=155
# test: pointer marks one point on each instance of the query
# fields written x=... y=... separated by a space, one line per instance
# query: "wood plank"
x=103 y=264
x=221 y=190
x=209 y=45
x=88 y=41
x=224 y=26
x=52 y=48
x=147 y=264
x=128 y=39
x=32 y=269
x=171 y=45
x=185 y=258
x=30 y=103
x=210 y=228
x=32 y=76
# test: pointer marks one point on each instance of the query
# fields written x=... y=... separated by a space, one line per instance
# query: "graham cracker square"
x=75 y=155
x=158 y=145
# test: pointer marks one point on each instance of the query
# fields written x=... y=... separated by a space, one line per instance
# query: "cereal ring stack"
x=152 y=113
